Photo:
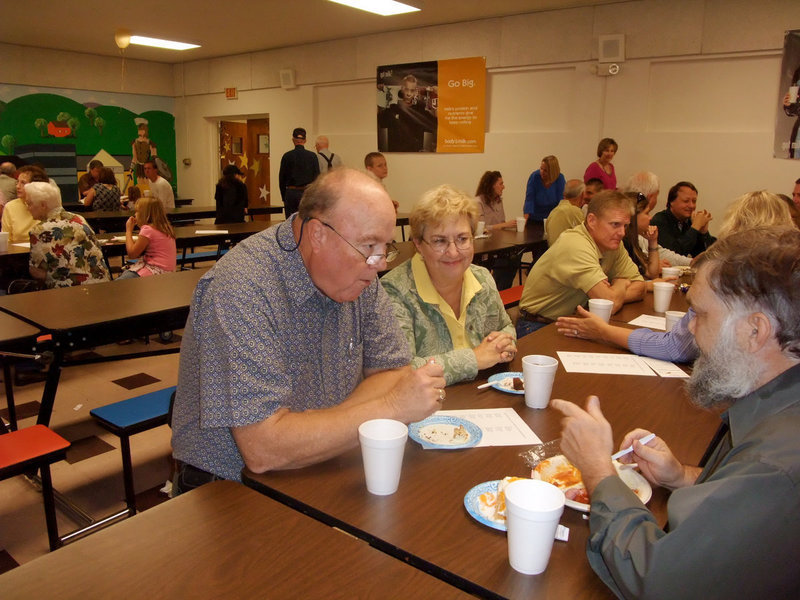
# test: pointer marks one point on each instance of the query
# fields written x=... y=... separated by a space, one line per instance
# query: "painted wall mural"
x=64 y=134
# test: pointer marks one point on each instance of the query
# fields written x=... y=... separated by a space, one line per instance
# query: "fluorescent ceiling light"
x=385 y=8
x=169 y=44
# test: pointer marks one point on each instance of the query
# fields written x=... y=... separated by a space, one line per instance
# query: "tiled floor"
x=91 y=477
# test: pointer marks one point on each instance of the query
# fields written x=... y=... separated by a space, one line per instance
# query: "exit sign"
x=230 y=93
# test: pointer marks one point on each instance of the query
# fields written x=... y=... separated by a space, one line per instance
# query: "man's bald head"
x=321 y=143
x=332 y=188
x=573 y=191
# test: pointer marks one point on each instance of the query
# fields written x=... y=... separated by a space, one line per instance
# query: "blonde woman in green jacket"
x=448 y=308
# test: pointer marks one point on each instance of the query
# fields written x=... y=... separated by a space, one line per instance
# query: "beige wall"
x=696 y=99
x=24 y=65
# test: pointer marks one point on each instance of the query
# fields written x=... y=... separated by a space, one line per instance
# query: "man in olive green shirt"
x=567 y=214
x=587 y=261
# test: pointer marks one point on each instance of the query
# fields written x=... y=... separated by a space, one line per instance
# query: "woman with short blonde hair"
x=448 y=308
x=439 y=204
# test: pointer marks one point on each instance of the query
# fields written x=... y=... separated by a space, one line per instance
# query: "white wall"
x=697 y=98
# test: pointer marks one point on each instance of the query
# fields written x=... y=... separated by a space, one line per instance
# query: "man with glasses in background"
x=291 y=344
x=587 y=261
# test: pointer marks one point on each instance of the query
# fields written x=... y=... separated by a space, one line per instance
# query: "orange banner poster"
x=462 y=105
x=435 y=106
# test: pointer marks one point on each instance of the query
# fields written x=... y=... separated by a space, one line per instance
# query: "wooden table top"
x=186 y=236
x=106 y=306
x=222 y=540
x=16 y=248
x=15 y=333
x=179 y=212
x=425 y=522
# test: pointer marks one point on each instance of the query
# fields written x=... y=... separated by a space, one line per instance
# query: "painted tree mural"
x=9 y=143
x=41 y=125
x=36 y=119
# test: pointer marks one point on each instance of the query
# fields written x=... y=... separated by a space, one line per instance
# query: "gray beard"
x=725 y=374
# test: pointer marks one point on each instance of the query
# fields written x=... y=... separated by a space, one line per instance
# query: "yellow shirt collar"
x=456 y=324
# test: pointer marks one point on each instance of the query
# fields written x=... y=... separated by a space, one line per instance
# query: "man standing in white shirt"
x=327 y=159
x=159 y=186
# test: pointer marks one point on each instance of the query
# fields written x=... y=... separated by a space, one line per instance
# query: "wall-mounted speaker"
x=611 y=48
x=287 y=79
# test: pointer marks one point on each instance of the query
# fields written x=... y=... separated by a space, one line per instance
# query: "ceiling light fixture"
x=384 y=8
x=157 y=43
x=122 y=37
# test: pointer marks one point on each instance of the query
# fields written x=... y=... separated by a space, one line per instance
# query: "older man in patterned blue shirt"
x=291 y=342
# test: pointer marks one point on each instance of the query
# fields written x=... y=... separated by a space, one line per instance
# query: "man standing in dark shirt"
x=681 y=227
x=299 y=168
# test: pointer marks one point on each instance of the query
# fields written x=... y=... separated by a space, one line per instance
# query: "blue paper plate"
x=471 y=503
x=475 y=433
x=497 y=377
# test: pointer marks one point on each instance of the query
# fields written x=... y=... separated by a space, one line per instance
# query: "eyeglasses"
x=372 y=260
x=441 y=244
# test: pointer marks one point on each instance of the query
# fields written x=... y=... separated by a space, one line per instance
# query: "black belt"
x=524 y=314
x=196 y=475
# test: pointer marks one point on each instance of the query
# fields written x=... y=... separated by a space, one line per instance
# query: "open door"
x=258 y=174
x=246 y=145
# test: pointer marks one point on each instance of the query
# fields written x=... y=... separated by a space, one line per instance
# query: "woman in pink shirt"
x=602 y=168
x=156 y=241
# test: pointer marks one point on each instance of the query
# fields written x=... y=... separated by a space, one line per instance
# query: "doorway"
x=246 y=145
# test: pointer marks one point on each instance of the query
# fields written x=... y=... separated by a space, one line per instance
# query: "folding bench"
x=131 y=416
x=26 y=450
x=203 y=256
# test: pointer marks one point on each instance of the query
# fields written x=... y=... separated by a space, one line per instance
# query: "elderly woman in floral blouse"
x=64 y=250
x=448 y=308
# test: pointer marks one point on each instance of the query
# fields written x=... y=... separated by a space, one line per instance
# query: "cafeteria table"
x=85 y=316
x=114 y=220
x=190 y=236
x=221 y=540
x=114 y=224
x=425 y=523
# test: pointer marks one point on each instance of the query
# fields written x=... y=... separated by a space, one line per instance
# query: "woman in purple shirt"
x=602 y=168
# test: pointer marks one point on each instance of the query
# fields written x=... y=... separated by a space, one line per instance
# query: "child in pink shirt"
x=156 y=241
